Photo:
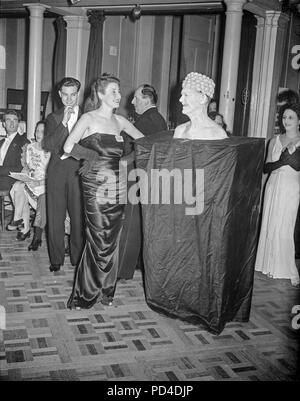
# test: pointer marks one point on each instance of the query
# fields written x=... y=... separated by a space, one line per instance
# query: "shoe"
x=14 y=225
x=108 y=301
x=22 y=236
x=54 y=268
x=34 y=245
x=37 y=239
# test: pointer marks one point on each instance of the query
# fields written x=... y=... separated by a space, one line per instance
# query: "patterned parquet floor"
x=43 y=340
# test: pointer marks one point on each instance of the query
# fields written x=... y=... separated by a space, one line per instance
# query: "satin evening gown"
x=103 y=189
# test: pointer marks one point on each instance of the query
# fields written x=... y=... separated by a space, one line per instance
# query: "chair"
x=17 y=100
x=3 y=203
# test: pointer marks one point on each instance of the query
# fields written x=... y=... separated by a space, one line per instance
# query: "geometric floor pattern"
x=43 y=340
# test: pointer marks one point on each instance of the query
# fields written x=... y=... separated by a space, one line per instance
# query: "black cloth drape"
x=59 y=62
x=200 y=267
x=95 y=50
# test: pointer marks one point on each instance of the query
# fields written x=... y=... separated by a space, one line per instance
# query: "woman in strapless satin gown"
x=103 y=189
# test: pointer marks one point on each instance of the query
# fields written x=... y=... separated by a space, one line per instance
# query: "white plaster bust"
x=197 y=90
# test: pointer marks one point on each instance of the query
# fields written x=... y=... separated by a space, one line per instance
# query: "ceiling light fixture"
x=136 y=12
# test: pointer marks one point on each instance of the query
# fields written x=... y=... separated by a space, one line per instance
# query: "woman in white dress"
x=276 y=249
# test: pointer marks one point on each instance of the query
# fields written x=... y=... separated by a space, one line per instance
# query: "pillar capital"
x=77 y=22
x=276 y=18
x=36 y=10
x=234 y=6
x=78 y=32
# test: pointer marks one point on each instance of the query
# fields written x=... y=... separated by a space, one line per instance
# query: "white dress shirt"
x=73 y=119
x=5 y=145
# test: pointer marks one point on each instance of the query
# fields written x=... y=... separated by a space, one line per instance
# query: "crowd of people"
x=76 y=154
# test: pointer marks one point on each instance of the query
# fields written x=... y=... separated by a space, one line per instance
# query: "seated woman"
x=197 y=90
x=31 y=191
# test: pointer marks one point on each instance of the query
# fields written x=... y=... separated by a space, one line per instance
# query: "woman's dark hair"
x=289 y=106
x=40 y=122
x=213 y=114
x=93 y=101
x=288 y=96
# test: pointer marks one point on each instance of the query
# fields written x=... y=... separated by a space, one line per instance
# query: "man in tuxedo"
x=10 y=153
x=149 y=119
x=149 y=122
x=63 y=192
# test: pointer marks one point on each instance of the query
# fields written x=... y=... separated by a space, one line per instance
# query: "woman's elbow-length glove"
x=79 y=152
x=286 y=158
x=293 y=159
x=271 y=166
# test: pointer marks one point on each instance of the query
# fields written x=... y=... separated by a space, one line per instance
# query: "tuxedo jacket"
x=55 y=136
x=148 y=123
x=12 y=160
x=151 y=122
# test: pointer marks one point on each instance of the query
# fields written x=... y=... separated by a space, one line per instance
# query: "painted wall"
x=127 y=53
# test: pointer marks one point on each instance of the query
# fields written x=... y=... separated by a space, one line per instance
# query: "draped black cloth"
x=200 y=267
x=95 y=50
x=59 y=62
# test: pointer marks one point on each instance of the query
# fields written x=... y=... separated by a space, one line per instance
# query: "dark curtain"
x=59 y=62
x=95 y=51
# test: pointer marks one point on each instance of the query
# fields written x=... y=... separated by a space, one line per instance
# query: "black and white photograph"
x=150 y=194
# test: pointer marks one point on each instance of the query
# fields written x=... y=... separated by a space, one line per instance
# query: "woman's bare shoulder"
x=121 y=119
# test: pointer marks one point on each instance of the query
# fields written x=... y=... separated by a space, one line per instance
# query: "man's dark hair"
x=69 y=81
x=288 y=96
x=13 y=112
x=150 y=92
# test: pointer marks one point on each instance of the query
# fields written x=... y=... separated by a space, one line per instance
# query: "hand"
x=291 y=147
x=33 y=183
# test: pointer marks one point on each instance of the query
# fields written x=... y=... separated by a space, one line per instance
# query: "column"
x=215 y=62
x=78 y=33
x=268 y=59
x=35 y=65
x=256 y=79
x=2 y=62
x=230 y=63
x=165 y=67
